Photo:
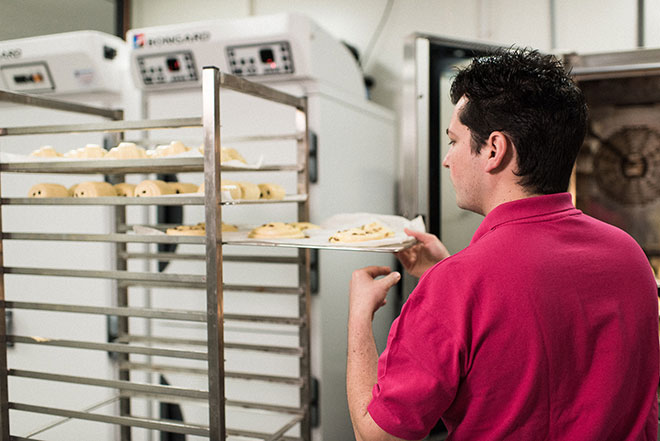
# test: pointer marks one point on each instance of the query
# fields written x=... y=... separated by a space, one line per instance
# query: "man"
x=546 y=326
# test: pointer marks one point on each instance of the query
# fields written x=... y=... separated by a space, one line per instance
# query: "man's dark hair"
x=532 y=100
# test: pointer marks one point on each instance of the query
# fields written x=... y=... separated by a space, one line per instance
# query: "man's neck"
x=505 y=195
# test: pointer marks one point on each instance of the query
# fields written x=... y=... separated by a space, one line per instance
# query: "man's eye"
x=451 y=142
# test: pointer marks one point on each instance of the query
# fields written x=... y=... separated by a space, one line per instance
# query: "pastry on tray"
x=302 y=226
x=173 y=148
x=153 y=187
x=272 y=191
x=249 y=190
x=276 y=230
x=226 y=154
x=125 y=189
x=126 y=150
x=48 y=191
x=229 y=154
x=183 y=187
x=372 y=231
x=197 y=230
x=188 y=230
x=91 y=189
x=90 y=151
x=231 y=187
x=45 y=152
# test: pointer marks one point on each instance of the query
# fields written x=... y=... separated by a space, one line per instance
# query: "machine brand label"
x=10 y=54
x=140 y=40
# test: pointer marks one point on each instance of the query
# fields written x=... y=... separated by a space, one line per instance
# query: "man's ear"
x=498 y=151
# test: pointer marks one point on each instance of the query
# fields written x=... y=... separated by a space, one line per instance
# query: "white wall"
x=29 y=18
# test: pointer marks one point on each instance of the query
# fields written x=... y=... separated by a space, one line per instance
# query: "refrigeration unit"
x=351 y=166
x=80 y=67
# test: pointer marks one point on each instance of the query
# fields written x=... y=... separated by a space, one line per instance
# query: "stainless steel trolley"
x=128 y=345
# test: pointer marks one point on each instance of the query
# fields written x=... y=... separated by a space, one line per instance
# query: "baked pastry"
x=183 y=187
x=302 y=226
x=372 y=231
x=72 y=189
x=45 y=152
x=272 y=191
x=173 y=148
x=126 y=150
x=90 y=151
x=48 y=191
x=92 y=189
x=249 y=190
x=125 y=189
x=276 y=230
x=153 y=187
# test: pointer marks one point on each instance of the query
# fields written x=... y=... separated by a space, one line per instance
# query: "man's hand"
x=423 y=255
x=366 y=293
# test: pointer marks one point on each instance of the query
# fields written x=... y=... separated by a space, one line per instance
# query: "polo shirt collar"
x=524 y=208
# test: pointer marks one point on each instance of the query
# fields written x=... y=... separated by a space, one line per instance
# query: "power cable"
x=379 y=29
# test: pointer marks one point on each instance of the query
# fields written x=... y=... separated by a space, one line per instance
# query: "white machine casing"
x=316 y=54
x=356 y=173
x=68 y=64
x=85 y=67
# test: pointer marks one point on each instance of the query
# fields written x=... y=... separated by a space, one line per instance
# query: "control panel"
x=171 y=67
x=261 y=59
x=28 y=77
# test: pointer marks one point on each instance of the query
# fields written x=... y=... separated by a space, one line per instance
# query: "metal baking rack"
x=208 y=352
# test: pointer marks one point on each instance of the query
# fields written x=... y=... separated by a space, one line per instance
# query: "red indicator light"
x=273 y=65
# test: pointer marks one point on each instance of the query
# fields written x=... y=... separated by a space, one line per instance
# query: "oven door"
x=617 y=175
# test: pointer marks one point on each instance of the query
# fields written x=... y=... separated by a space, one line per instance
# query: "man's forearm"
x=361 y=369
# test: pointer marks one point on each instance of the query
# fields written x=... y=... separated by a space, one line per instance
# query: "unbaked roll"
x=183 y=187
x=92 y=189
x=229 y=154
x=276 y=230
x=125 y=189
x=90 y=151
x=153 y=187
x=126 y=150
x=249 y=190
x=232 y=187
x=173 y=148
x=48 y=191
x=272 y=191
x=45 y=152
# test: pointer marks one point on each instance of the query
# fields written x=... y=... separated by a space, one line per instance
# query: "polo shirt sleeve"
x=419 y=371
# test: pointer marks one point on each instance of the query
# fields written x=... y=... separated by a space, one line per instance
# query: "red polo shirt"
x=544 y=328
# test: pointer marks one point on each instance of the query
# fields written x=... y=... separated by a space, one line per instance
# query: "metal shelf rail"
x=211 y=350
